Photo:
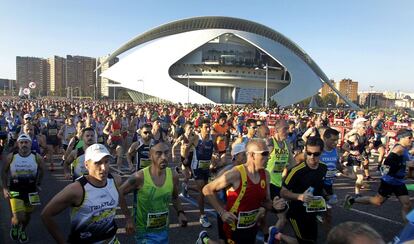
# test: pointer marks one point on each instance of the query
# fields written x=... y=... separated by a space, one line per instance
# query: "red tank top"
x=116 y=131
x=253 y=198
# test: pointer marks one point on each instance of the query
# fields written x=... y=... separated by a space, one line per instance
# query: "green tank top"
x=151 y=203
x=277 y=162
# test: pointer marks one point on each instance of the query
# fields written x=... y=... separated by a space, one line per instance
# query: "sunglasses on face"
x=146 y=132
x=253 y=127
x=316 y=154
x=263 y=153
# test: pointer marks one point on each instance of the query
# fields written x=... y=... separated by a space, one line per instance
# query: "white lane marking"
x=377 y=217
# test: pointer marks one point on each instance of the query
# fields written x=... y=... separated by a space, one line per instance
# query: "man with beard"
x=22 y=175
x=76 y=159
x=92 y=200
x=154 y=188
x=138 y=152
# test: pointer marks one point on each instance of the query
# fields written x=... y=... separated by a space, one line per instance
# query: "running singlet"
x=78 y=165
x=330 y=158
x=151 y=203
x=398 y=170
x=249 y=204
x=94 y=220
x=35 y=145
x=23 y=173
x=142 y=159
x=278 y=161
x=116 y=131
x=203 y=154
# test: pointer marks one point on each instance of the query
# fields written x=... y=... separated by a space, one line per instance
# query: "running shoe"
x=347 y=203
x=14 y=232
x=204 y=221
x=184 y=190
x=202 y=237
x=273 y=235
x=23 y=236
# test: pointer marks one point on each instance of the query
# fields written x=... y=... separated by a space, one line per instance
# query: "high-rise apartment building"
x=102 y=83
x=325 y=90
x=348 y=88
x=81 y=75
x=56 y=76
x=32 y=69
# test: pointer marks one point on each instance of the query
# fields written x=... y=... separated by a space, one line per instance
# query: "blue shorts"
x=160 y=237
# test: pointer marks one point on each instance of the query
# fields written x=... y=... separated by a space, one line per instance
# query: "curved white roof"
x=146 y=68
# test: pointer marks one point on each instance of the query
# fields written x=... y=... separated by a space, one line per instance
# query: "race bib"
x=53 y=132
x=317 y=204
x=34 y=198
x=247 y=219
x=204 y=164
x=278 y=167
x=331 y=173
x=144 y=162
x=116 y=133
x=157 y=220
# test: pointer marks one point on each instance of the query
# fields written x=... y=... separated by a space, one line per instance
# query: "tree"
x=329 y=99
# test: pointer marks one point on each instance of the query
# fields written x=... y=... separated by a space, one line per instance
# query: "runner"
x=303 y=187
x=38 y=141
x=247 y=196
x=74 y=165
x=92 y=200
x=113 y=130
x=53 y=144
x=138 y=153
x=188 y=141
x=3 y=132
x=378 y=127
x=392 y=180
x=22 y=175
x=154 y=188
x=219 y=134
x=280 y=158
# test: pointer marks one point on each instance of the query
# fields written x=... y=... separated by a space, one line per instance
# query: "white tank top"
x=93 y=221
x=23 y=172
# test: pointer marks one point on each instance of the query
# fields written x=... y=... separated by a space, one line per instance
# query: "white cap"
x=238 y=148
x=24 y=137
x=357 y=121
x=96 y=152
x=27 y=116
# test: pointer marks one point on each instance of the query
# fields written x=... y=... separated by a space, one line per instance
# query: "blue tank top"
x=203 y=152
x=400 y=175
x=330 y=158
x=35 y=145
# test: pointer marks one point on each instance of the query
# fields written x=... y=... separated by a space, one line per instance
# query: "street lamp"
x=143 y=95
x=266 y=68
x=188 y=86
x=370 y=95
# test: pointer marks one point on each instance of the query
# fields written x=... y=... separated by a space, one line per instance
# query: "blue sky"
x=370 y=41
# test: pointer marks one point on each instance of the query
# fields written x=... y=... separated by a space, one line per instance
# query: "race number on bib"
x=34 y=198
x=331 y=173
x=53 y=132
x=247 y=219
x=157 y=220
x=204 y=164
x=278 y=167
x=317 y=204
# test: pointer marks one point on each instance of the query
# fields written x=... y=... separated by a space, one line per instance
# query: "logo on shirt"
x=263 y=184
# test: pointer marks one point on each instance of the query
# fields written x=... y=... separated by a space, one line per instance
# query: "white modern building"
x=216 y=60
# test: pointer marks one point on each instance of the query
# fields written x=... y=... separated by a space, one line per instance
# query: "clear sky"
x=370 y=41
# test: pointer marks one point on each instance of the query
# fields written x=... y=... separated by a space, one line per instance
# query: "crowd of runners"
x=246 y=162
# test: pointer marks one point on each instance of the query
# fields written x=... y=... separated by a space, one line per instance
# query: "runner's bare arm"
x=40 y=167
x=71 y=195
x=68 y=161
x=106 y=130
x=230 y=178
x=267 y=204
x=134 y=182
x=4 y=175
x=177 y=202
x=131 y=151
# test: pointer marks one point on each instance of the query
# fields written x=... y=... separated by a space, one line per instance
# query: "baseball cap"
x=24 y=137
x=96 y=152
x=238 y=148
x=26 y=116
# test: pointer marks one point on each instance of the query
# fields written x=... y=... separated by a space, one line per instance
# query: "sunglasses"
x=253 y=127
x=263 y=153
x=146 y=132
x=316 y=154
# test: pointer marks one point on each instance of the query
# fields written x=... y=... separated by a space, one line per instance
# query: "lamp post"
x=266 y=68
x=188 y=86
x=370 y=95
x=143 y=95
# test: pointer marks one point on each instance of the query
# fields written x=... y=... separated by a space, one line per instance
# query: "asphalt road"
x=386 y=219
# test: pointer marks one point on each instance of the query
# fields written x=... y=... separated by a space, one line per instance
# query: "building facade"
x=349 y=88
x=104 y=90
x=56 y=76
x=32 y=69
x=216 y=60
